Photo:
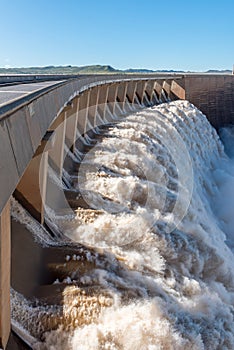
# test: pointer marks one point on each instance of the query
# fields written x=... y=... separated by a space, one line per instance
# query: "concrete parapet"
x=92 y=108
x=56 y=154
x=131 y=90
x=177 y=89
x=83 y=111
x=31 y=189
x=8 y=166
x=141 y=85
x=167 y=88
x=158 y=89
x=112 y=96
x=149 y=89
x=121 y=94
x=103 y=99
x=71 y=122
x=5 y=275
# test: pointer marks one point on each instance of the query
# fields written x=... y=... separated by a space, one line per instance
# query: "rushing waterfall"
x=154 y=267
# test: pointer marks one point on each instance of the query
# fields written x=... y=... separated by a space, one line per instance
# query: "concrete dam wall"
x=213 y=95
x=35 y=131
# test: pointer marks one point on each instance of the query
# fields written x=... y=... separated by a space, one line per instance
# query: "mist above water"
x=160 y=185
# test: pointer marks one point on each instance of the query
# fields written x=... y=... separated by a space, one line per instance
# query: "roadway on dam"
x=12 y=93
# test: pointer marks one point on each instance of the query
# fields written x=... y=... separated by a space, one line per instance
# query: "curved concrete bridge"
x=40 y=116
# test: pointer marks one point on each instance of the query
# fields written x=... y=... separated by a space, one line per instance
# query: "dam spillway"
x=130 y=177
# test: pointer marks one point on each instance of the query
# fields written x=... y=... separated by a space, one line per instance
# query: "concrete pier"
x=5 y=275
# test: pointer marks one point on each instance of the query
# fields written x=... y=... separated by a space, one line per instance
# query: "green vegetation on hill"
x=93 y=69
x=60 y=70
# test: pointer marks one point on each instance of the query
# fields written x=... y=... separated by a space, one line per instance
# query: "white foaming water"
x=162 y=188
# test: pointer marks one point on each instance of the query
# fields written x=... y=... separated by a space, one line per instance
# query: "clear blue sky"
x=155 y=34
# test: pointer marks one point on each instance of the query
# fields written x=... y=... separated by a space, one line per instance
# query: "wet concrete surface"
x=15 y=343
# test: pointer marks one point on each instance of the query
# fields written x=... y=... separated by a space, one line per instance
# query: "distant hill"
x=225 y=71
x=144 y=71
x=132 y=70
x=59 y=70
x=93 y=69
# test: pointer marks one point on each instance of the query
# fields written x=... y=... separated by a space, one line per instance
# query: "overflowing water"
x=156 y=243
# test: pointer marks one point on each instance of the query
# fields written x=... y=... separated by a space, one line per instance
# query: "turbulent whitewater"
x=157 y=242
